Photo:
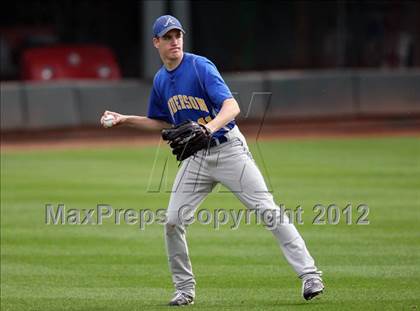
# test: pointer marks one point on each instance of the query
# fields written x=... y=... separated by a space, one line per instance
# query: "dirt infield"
x=69 y=138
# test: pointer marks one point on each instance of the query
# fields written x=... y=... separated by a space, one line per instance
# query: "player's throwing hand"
x=110 y=119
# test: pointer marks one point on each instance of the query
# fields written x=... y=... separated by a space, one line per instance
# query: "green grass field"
x=120 y=267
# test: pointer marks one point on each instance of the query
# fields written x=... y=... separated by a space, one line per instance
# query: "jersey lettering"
x=182 y=102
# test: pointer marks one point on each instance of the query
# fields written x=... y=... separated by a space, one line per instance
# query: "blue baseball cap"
x=165 y=23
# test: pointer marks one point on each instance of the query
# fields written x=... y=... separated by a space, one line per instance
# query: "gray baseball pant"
x=232 y=165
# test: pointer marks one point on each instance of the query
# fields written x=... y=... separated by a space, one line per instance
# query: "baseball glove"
x=187 y=138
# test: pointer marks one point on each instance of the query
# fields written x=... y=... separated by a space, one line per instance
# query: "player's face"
x=170 y=45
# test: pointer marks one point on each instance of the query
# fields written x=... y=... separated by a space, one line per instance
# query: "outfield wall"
x=295 y=94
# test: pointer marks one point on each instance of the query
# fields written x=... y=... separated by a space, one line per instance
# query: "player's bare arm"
x=230 y=109
x=139 y=122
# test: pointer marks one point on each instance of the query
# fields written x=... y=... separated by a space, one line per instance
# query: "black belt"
x=218 y=141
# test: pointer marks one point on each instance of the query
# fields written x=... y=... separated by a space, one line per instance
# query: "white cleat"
x=181 y=299
x=312 y=287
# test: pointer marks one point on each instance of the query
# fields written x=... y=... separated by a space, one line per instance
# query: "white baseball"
x=108 y=120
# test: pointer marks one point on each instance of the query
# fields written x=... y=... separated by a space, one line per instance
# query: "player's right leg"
x=192 y=184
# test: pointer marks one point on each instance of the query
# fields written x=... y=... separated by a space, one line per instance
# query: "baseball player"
x=195 y=109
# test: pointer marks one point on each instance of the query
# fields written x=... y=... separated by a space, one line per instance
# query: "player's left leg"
x=237 y=171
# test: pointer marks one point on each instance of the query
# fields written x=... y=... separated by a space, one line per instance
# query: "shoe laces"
x=310 y=282
x=178 y=294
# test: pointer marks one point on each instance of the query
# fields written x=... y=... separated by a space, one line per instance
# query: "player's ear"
x=156 y=42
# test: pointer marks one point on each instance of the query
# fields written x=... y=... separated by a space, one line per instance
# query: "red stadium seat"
x=69 y=62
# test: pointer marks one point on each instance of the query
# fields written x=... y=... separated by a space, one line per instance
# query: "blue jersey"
x=193 y=91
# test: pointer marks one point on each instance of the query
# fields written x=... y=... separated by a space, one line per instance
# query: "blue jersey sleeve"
x=157 y=108
x=212 y=82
